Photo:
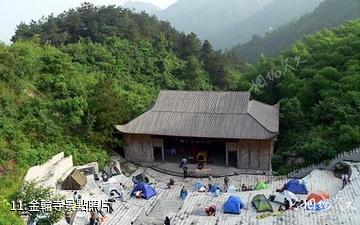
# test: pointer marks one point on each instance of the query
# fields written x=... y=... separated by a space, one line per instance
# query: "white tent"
x=280 y=197
x=111 y=184
x=81 y=218
x=232 y=189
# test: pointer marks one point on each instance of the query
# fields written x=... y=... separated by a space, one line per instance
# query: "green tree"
x=30 y=194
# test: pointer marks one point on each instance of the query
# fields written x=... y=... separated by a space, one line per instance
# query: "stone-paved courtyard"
x=344 y=208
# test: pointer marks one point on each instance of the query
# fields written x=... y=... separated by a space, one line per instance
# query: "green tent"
x=261 y=203
x=261 y=185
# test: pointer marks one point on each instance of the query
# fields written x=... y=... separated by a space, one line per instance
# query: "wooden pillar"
x=271 y=153
x=238 y=158
x=162 y=151
x=152 y=148
x=227 y=155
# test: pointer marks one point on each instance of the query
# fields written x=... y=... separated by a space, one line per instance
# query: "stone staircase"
x=167 y=202
x=352 y=156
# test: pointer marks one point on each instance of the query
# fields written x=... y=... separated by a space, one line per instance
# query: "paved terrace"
x=344 y=210
x=214 y=169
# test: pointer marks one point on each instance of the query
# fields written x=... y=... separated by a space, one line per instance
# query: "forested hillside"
x=278 y=13
x=329 y=14
x=317 y=82
x=68 y=79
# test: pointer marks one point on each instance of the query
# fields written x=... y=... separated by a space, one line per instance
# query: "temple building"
x=222 y=128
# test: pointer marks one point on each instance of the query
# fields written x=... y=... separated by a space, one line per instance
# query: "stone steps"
x=167 y=202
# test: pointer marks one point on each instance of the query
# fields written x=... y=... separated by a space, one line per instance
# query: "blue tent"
x=147 y=190
x=198 y=185
x=183 y=195
x=213 y=188
x=296 y=187
x=216 y=193
x=233 y=205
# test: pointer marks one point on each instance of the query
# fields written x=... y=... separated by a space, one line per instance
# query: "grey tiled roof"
x=228 y=115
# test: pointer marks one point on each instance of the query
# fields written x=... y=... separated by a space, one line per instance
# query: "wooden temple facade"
x=246 y=127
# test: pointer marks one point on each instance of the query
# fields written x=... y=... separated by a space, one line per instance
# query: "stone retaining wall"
x=353 y=155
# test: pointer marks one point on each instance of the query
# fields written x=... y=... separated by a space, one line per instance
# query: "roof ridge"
x=261 y=123
x=274 y=107
x=213 y=91
x=263 y=103
x=213 y=114
x=188 y=112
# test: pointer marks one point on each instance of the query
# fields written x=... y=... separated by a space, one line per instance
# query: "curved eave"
x=272 y=136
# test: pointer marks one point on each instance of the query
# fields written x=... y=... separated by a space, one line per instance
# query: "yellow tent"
x=75 y=181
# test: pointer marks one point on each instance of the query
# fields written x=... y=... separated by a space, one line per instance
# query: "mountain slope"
x=68 y=79
x=141 y=6
x=205 y=17
x=279 y=12
x=317 y=82
x=329 y=14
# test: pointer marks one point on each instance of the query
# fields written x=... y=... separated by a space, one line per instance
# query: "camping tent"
x=213 y=188
x=107 y=170
x=110 y=185
x=233 y=205
x=296 y=187
x=318 y=201
x=112 y=170
x=261 y=203
x=75 y=181
x=318 y=196
x=232 y=189
x=198 y=185
x=147 y=190
x=261 y=186
x=183 y=194
x=216 y=193
x=140 y=178
x=280 y=197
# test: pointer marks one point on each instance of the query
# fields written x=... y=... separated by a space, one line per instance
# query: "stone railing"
x=353 y=155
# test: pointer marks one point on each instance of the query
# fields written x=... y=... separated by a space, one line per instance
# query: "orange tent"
x=318 y=196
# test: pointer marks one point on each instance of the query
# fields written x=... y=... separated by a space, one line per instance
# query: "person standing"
x=185 y=171
x=287 y=204
x=122 y=192
x=344 y=180
x=183 y=193
x=211 y=179
x=68 y=217
x=167 y=221
x=75 y=196
x=183 y=162
x=104 y=177
x=94 y=217
x=226 y=183
x=173 y=151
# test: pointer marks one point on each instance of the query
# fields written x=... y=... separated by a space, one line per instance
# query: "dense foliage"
x=329 y=14
x=29 y=194
x=318 y=84
x=67 y=80
x=97 y=24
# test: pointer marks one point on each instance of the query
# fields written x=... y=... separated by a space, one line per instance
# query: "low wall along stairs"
x=353 y=156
